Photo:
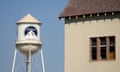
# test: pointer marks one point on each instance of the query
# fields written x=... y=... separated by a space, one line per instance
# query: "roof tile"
x=83 y=7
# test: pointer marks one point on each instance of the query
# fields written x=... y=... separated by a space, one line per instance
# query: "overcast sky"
x=52 y=33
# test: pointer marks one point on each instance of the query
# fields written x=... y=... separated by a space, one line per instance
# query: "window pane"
x=103 y=47
x=94 y=53
x=112 y=48
x=103 y=53
x=94 y=48
x=94 y=42
x=112 y=41
x=103 y=41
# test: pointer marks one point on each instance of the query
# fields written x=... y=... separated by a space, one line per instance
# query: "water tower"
x=28 y=41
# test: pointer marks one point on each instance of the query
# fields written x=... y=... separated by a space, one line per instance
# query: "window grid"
x=102 y=48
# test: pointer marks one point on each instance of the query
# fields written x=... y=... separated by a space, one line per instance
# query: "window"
x=102 y=48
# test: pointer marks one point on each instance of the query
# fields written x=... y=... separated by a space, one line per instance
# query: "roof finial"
x=29 y=13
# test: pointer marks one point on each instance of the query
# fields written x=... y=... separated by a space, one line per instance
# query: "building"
x=92 y=36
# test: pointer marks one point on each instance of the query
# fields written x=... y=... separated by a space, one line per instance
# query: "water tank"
x=28 y=35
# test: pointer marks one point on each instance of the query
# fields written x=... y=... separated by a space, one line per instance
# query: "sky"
x=52 y=33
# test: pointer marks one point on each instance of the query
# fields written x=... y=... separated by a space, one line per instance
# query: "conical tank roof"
x=28 y=19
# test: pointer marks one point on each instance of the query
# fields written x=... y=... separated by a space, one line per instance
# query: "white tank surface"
x=28 y=35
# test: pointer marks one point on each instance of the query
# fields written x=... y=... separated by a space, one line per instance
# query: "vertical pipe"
x=14 y=59
x=42 y=59
x=28 y=61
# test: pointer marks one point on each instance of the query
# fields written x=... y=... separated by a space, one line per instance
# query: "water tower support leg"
x=42 y=60
x=14 y=59
x=28 y=62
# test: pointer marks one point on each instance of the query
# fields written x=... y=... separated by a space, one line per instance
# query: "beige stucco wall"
x=77 y=50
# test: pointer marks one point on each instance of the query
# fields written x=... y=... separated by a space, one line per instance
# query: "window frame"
x=98 y=48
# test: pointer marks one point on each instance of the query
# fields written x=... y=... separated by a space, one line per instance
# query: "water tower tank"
x=28 y=35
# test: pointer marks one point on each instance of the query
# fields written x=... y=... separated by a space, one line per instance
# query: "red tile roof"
x=83 y=7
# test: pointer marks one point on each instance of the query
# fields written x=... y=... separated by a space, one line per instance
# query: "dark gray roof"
x=83 y=7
